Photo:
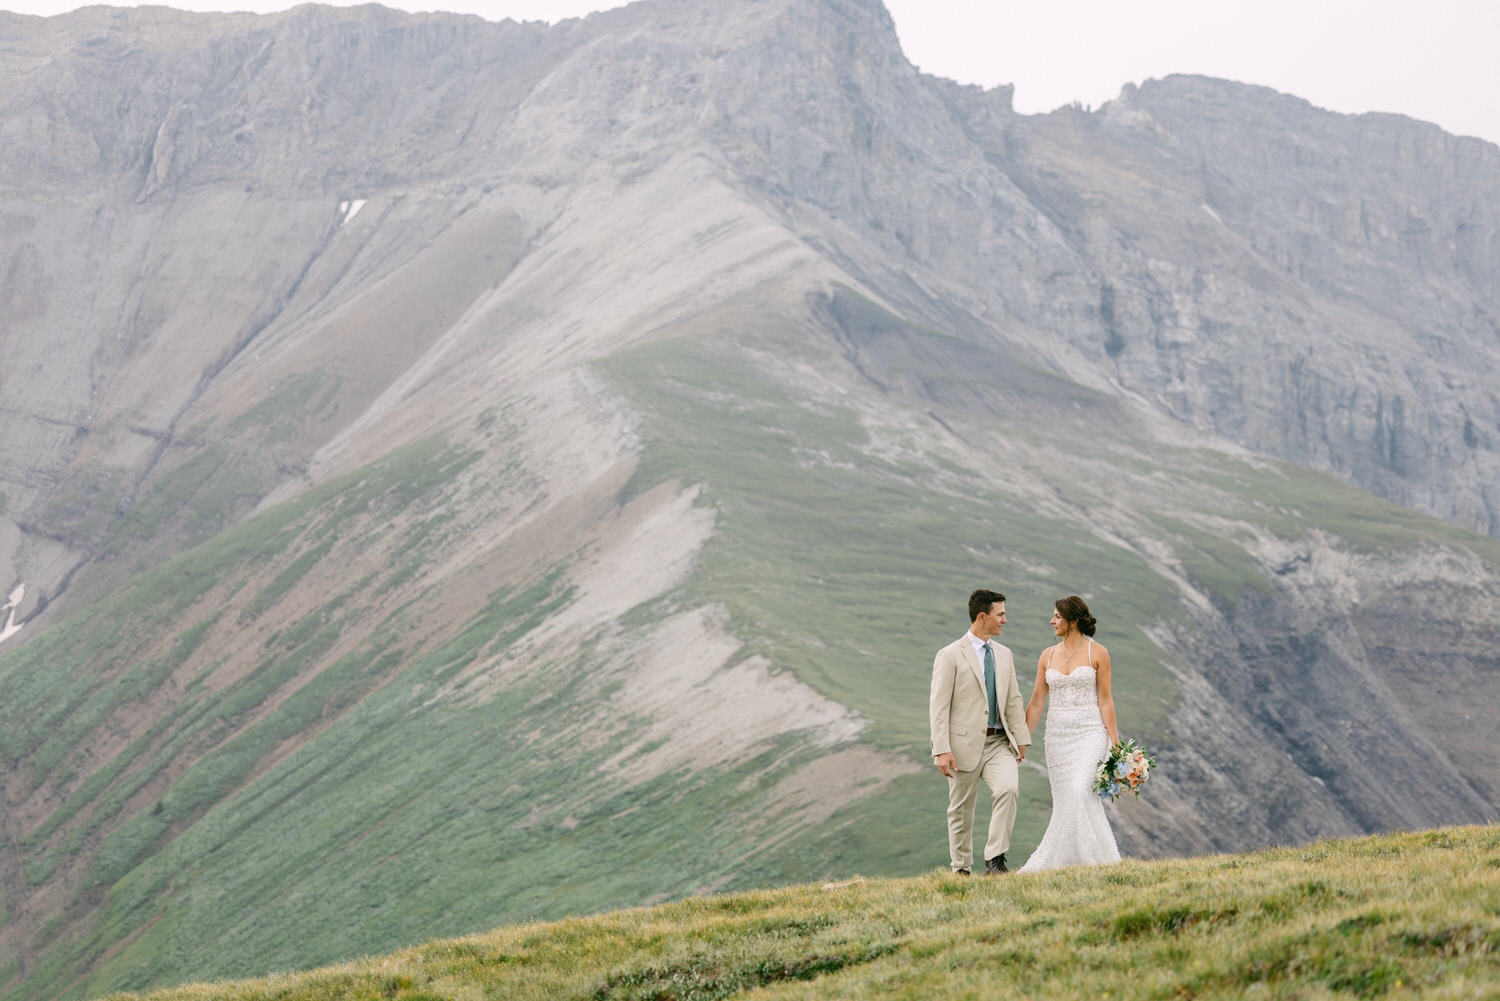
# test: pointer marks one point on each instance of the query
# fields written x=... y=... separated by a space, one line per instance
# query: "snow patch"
x=11 y=604
x=1212 y=213
x=351 y=209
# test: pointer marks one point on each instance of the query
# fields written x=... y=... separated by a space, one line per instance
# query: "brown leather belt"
x=994 y=731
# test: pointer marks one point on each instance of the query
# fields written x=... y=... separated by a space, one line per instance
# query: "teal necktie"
x=989 y=685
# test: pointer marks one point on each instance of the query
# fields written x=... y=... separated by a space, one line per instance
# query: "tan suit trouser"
x=1000 y=771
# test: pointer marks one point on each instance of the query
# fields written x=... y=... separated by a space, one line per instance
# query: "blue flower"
x=1122 y=769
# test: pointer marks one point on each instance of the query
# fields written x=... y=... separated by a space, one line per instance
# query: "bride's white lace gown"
x=1078 y=833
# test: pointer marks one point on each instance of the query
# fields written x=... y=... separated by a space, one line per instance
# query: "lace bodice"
x=1072 y=692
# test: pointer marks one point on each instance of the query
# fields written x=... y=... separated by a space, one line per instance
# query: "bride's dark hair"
x=1076 y=611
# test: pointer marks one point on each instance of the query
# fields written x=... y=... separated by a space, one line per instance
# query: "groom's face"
x=991 y=622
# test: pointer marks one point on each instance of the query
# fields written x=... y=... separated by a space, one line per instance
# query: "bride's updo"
x=1076 y=611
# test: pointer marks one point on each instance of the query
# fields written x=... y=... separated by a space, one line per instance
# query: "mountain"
x=459 y=472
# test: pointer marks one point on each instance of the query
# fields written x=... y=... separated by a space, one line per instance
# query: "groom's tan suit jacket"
x=958 y=711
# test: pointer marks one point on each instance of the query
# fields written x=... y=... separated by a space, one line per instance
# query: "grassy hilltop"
x=1401 y=916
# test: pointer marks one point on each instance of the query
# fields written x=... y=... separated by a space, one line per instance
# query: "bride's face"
x=1059 y=624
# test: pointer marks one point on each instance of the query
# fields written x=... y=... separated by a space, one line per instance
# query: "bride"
x=1080 y=730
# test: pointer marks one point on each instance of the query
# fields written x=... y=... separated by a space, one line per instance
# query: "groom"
x=978 y=732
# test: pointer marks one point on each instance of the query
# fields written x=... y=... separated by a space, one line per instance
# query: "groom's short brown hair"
x=982 y=601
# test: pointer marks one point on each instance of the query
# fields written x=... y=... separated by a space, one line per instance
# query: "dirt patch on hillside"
x=689 y=705
x=693 y=706
x=679 y=695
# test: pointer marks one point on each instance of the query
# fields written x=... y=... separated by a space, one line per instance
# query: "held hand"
x=945 y=764
x=1022 y=756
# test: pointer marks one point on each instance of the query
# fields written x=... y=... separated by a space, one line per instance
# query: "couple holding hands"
x=980 y=731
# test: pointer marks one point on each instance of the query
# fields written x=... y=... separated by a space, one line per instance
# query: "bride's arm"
x=1038 y=694
x=1106 y=700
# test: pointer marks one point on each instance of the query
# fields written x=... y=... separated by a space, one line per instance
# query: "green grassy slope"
x=851 y=567
x=332 y=777
x=1403 y=916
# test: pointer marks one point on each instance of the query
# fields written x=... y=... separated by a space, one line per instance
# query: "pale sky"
x=1434 y=60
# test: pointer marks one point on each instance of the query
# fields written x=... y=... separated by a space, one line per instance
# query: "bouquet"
x=1125 y=769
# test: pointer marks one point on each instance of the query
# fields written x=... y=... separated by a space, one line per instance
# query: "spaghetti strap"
x=1091 y=651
